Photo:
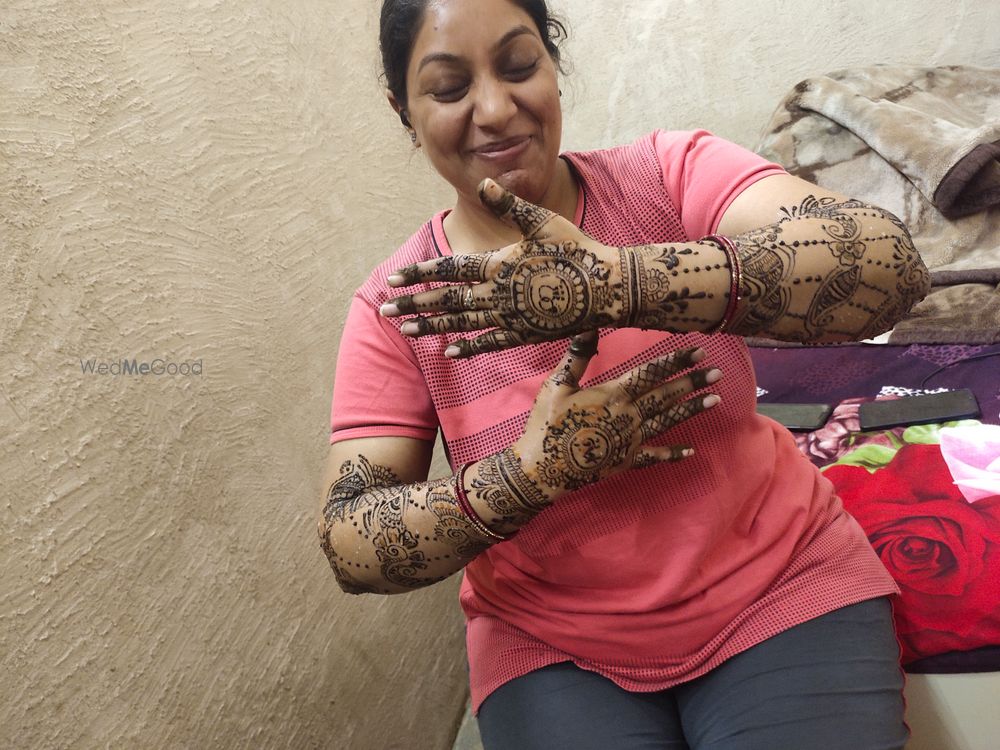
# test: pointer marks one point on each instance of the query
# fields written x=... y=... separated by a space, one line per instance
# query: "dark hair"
x=400 y=21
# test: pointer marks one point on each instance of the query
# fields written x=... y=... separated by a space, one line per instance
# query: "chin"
x=524 y=186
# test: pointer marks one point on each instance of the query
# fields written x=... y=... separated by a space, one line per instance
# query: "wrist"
x=503 y=491
x=680 y=287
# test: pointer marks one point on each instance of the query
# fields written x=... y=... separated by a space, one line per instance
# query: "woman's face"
x=484 y=97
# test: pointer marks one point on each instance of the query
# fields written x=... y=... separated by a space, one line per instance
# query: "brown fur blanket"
x=923 y=143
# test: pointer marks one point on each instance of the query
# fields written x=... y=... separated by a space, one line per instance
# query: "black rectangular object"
x=925 y=409
x=799 y=417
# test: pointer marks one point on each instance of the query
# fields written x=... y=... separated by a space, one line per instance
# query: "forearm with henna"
x=385 y=537
x=827 y=271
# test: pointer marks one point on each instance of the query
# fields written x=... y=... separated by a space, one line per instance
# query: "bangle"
x=466 y=507
x=735 y=278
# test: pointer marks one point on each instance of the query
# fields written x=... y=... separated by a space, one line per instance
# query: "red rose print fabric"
x=942 y=550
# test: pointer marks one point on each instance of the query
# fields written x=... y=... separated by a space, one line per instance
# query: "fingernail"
x=488 y=188
x=687 y=452
x=452 y=351
x=710 y=400
x=388 y=310
x=409 y=328
x=713 y=375
x=396 y=280
x=698 y=355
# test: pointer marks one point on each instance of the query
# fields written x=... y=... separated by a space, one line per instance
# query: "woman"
x=646 y=563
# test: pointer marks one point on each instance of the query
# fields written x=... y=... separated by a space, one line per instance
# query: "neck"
x=473 y=228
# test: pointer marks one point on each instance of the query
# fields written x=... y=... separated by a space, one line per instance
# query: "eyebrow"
x=446 y=57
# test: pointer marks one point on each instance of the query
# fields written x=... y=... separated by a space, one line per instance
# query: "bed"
x=924 y=143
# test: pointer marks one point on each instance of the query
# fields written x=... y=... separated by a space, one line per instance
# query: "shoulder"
x=615 y=158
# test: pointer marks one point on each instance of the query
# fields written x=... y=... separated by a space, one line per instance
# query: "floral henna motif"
x=344 y=497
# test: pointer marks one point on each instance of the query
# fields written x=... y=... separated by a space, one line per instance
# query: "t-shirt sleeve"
x=379 y=389
x=703 y=174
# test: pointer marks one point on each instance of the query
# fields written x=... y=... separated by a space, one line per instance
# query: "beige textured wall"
x=208 y=181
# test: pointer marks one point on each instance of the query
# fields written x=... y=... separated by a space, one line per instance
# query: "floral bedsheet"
x=928 y=496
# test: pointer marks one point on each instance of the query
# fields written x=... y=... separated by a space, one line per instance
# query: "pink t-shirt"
x=654 y=576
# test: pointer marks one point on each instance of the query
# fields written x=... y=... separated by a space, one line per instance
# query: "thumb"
x=532 y=220
x=573 y=365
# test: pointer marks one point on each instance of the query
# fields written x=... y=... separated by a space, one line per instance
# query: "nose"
x=494 y=106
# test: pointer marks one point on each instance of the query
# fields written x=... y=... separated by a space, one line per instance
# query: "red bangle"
x=735 y=278
x=463 y=503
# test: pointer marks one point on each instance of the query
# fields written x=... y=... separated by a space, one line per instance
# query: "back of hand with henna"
x=826 y=271
x=383 y=536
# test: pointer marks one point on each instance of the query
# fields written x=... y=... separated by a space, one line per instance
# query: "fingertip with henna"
x=495 y=197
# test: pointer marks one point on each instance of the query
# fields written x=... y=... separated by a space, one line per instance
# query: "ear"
x=399 y=110
x=396 y=106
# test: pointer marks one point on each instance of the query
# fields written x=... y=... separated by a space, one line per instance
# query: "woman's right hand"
x=576 y=436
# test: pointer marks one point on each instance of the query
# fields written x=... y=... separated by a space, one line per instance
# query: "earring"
x=560 y=92
x=413 y=136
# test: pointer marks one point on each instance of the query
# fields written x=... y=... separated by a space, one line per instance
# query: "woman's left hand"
x=555 y=283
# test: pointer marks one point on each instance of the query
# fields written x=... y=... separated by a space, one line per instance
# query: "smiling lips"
x=502 y=150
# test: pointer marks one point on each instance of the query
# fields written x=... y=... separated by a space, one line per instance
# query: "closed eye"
x=521 y=72
x=449 y=94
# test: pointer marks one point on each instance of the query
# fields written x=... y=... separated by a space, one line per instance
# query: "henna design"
x=833 y=292
x=766 y=265
x=657 y=305
x=529 y=217
x=506 y=489
x=643 y=460
x=551 y=287
x=587 y=444
x=344 y=496
x=769 y=262
x=661 y=419
x=380 y=520
x=649 y=375
x=545 y=293
x=452 y=526
x=369 y=499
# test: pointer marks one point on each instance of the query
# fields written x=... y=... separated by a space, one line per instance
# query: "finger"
x=527 y=217
x=463 y=267
x=673 y=414
x=447 y=299
x=648 y=375
x=650 y=455
x=475 y=320
x=492 y=341
x=573 y=365
x=660 y=397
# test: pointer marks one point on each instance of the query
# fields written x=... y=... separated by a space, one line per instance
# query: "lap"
x=564 y=707
x=831 y=682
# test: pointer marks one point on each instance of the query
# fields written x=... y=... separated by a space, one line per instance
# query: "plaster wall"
x=207 y=182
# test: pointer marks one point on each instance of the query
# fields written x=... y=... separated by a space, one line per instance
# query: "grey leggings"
x=830 y=683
